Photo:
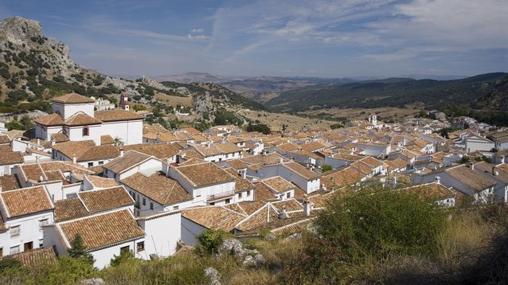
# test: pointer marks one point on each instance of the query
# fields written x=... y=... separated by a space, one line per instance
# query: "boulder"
x=92 y=281
x=214 y=275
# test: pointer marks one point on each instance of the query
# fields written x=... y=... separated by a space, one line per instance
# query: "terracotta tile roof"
x=50 y=120
x=128 y=160
x=101 y=182
x=288 y=147
x=301 y=170
x=4 y=139
x=86 y=150
x=99 y=152
x=237 y=164
x=103 y=230
x=313 y=146
x=470 y=178
x=396 y=164
x=250 y=207
x=289 y=205
x=26 y=201
x=267 y=214
x=204 y=174
x=263 y=192
x=9 y=182
x=66 y=166
x=72 y=98
x=161 y=151
x=117 y=115
x=106 y=139
x=69 y=209
x=11 y=157
x=74 y=148
x=278 y=184
x=341 y=178
x=59 y=137
x=158 y=187
x=36 y=257
x=216 y=149
x=80 y=119
x=241 y=184
x=432 y=191
x=105 y=199
x=218 y=218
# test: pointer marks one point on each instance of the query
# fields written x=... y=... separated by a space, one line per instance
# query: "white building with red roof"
x=75 y=118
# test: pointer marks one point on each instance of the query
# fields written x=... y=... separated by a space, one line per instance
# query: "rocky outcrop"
x=214 y=275
x=248 y=257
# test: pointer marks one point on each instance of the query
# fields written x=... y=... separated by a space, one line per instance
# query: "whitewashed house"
x=205 y=181
x=131 y=162
x=74 y=117
x=105 y=235
x=23 y=213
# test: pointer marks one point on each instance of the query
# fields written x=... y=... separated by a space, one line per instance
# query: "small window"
x=28 y=246
x=15 y=231
x=43 y=222
x=140 y=246
x=144 y=202
x=248 y=193
x=240 y=195
x=175 y=207
x=228 y=201
x=151 y=206
x=14 y=249
x=85 y=131
x=124 y=249
x=212 y=203
x=101 y=162
x=90 y=164
x=41 y=243
x=288 y=195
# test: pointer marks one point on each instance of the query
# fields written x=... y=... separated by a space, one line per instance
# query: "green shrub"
x=326 y=167
x=210 y=240
x=123 y=257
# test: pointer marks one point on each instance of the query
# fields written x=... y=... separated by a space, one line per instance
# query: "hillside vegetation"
x=469 y=96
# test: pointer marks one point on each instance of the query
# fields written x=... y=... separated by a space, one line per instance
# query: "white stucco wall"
x=162 y=234
x=129 y=132
x=30 y=231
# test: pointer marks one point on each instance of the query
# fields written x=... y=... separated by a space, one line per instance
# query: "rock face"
x=213 y=275
x=92 y=281
x=248 y=257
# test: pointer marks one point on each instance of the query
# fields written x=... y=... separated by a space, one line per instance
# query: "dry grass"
x=174 y=100
x=465 y=237
x=386 y=113
x=276 y=120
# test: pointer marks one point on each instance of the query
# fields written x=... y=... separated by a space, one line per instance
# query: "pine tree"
x=78 y=249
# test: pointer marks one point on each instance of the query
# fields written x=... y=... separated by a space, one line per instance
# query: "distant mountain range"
x=395 y=92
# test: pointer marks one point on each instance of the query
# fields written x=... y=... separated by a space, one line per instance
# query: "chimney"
x=41 y=178
x=121 y=152
x=307 y=207
x=244 y=173
x=74 y=159
x=281 y=160
x=494 y=171
x=38 y=141
x=283 y=214
x=438 y=179
x=503 y=159
x=472 y=166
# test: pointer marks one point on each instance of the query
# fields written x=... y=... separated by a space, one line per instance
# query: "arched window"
x=85 y=131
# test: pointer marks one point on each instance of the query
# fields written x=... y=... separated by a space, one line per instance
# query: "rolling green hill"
x=393 y=92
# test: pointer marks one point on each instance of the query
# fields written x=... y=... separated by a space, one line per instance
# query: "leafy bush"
x=123 y=257
x=210 y=240
x=365 y=225
x=262 y=128
x=326 y=167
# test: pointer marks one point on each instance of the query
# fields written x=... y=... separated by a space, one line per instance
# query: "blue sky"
x=287 y=38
